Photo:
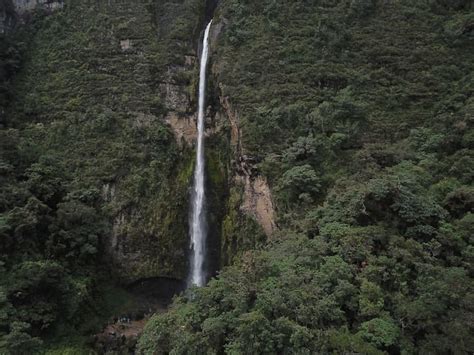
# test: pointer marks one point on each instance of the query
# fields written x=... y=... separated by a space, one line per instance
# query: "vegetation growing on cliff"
x=360 y=113
x=86 y=155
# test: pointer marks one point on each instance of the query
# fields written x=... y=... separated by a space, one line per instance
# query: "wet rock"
x=126 y=44
x=120 y=337
x=22 y=6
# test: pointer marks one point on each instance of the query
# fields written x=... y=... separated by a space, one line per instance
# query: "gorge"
x=308 y=165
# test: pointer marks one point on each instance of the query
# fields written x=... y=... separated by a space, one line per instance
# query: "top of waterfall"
x=208 y=27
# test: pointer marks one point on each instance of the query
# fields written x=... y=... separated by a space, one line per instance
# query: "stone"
x=22 y=6
x=126 y=44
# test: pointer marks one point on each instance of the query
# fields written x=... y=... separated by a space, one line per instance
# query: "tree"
x=382 y=332
x=362 y=8
x=299 y=184
x=75 y=232
x=19 y=342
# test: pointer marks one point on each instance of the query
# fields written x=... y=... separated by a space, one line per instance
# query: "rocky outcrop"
x=180 y=116
x=22 y=6
x=7 y=16
x=126 y=44
x=149 y=235
x=257 y=198
x=184 y=128
x=12 y=11
x=149 y=242
x=258 y=203
x=233 y=118
x=120 y=337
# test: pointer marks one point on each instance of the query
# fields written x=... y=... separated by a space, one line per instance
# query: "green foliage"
x=380 y=332
x=362 y=8
x=18 y=341
x=358 y=115
x=83 y=142
x=300 y=183
x=371 y=300
x=240 y=232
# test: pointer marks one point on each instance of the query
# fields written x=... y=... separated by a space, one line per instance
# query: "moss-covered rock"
x=240 y=232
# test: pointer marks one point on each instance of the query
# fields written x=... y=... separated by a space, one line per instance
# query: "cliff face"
x=113 y=88
x=239 y=199
x=22 y=6
x=11 y=11
x=358 y=114
x=352 y=118
x=8 y=16
x=110 y=86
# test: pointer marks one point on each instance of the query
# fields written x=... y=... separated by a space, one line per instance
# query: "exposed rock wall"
x=12 y=10
x=132 y=75
x=258 y=203
x=143 y=83
x=22 y=6
x=180 y=114
x=257 y=197
x=7 y=16
x=176 y=92
x=241 y=209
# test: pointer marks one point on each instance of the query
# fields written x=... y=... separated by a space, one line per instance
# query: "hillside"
x=360 y=115
x=94 y=183
x=339 y=169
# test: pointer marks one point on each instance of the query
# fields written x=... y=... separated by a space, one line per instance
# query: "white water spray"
x=198 y=229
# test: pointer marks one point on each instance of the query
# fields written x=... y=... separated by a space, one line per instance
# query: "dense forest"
x=358 y=114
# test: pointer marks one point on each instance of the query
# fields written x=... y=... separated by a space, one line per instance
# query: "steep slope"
x=359 y=114
x=94 y=176
x=338 y=131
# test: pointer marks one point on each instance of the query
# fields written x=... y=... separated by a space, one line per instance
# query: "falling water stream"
x=198 y=228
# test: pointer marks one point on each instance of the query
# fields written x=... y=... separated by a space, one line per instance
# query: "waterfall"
x=198 y=228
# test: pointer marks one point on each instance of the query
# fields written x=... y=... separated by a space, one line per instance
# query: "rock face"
x=180 y=115
x=6 y=22
x=257 y=198
x=134 y=75
x=22 y=6
x=12 y=10
x=258 y=203
x=142 y=75
x=7 y=16
x=248 y=218
x=153 y=244
x=184 y=127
